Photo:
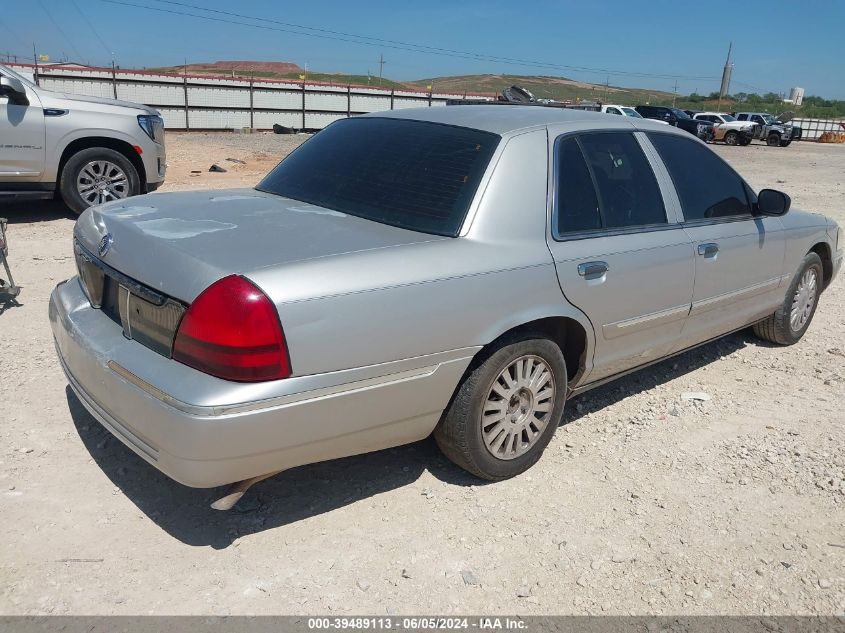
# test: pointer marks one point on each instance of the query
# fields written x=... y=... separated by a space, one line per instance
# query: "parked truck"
x=775 y=131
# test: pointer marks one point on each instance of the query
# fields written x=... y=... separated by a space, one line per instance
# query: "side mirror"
x=14 y=90
x=773 y=202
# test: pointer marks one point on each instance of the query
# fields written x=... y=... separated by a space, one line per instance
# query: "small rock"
x=582 y=581
x=363 y=585
x=824 y=583
x=469 y=578
x=406 y=573
x=25 y=450
x=524 y=591
x=217 y=168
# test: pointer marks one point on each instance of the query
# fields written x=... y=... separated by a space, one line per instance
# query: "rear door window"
x=604 y=181
x=410 y=174
x=576 y=200
x=628 y=191
x=707 y=187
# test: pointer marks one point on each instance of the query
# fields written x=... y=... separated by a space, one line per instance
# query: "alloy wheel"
x=804 y=300
x=518 y=407
x=101 y=181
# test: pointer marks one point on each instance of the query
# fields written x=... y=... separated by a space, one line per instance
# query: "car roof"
x=499 y=119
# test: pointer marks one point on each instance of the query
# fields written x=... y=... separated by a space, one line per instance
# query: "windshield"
x=632 y=112
x=727 y=118
x=769 y=119
x=679 y=113
x=5 y=70
x=410 y=174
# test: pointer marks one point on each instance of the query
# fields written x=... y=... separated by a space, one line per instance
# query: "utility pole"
x=381 y=64
x=674 y=93
x=35 y=58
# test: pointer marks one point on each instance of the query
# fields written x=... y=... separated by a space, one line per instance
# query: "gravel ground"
x=644 y=503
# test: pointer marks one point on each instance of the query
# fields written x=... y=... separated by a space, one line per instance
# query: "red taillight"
x=232 y=331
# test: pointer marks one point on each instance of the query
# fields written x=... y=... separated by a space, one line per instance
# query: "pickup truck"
x=87 y=150
x=775 y=132
x=678 y=118
x=727 y=128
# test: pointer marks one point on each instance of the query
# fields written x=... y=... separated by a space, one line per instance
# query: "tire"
x=743 y=141
x=731 y=138
x=781 y=327
x=120 y=178
x=773 y=140
x=459 y=433
x=785 y=143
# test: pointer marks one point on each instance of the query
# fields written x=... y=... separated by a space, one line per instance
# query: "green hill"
x=544 y=87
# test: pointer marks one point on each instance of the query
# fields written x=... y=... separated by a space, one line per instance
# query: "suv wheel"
x=506 y=410
x=731 y=138
x=97 y=175
x=785 y=143
x=793 y=317
x=773 y=140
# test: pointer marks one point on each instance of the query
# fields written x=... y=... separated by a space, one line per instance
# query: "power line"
x=12 y=33
x=107 y=48
x=307 y=31
x=59 y=29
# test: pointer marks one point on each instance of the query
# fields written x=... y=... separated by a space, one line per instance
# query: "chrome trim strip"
x=703 y=305
x=627 y=326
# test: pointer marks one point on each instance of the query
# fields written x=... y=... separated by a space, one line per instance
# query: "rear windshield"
x=411 y=174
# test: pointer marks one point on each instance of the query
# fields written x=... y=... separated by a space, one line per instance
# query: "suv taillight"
x=232 y=331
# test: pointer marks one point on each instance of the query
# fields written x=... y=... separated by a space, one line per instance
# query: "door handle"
x=708 y=250
x=591 y=270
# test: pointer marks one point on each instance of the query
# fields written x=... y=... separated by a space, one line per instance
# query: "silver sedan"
x=459 y=270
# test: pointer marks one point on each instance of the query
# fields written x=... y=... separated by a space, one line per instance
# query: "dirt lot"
x=643 y=503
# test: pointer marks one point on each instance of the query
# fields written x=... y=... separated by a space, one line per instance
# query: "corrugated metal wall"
x=209 y=103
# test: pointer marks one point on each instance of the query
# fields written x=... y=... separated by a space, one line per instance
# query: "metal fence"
x=197 y=102
x=812 y=129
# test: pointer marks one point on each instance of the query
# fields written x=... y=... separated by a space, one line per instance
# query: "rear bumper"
x=210 y=444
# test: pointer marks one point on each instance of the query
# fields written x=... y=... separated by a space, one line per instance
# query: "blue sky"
x=682 y=39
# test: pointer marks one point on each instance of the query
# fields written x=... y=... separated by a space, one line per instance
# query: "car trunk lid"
x=178 y=244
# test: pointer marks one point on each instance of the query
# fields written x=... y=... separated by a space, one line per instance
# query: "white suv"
x=86 y=149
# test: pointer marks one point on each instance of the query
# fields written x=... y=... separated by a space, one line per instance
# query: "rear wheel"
x=773 y=140
x=506 y=410
x=97 y=175
x=732 y=138
x=793 y=317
